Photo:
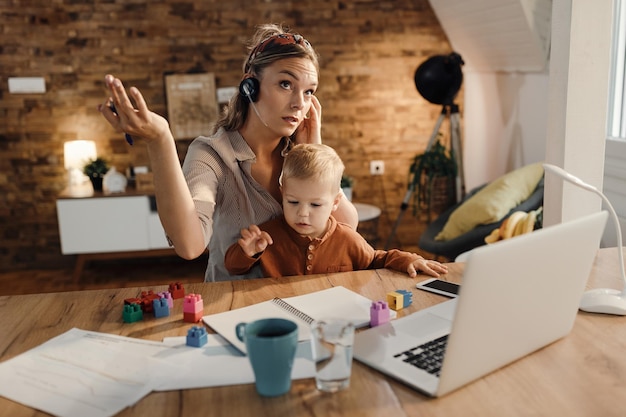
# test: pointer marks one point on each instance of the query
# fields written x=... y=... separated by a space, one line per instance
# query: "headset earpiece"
x=249 y=88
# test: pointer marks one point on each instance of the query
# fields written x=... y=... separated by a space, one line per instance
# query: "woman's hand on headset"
x=310 y=130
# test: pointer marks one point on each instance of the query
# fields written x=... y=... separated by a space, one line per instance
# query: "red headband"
x=277 y=40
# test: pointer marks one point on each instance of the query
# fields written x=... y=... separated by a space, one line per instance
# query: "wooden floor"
x=146 y=272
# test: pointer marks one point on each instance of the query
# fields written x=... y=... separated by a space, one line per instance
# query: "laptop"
x=516 y=296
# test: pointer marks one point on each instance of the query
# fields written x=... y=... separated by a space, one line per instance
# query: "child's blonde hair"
x=313 y=161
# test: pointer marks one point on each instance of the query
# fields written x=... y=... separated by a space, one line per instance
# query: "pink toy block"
x=379 y=313
x=168 y=297
x=193 y=308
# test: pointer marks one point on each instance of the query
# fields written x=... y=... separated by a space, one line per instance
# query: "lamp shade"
x=439 y=78
x=78 y=152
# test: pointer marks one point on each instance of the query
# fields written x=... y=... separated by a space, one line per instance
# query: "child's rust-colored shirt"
x=340 y=249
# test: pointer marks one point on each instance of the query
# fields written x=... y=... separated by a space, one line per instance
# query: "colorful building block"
x=132 y=301
x=168 y=296
x=132 y=313
x=197 y=336
x=146 y=300
x=379 y=313
x=399 y=299
x=160 y=308
x=177 y=290
x=193 y=308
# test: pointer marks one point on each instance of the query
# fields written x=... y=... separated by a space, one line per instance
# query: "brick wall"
x=371 y=109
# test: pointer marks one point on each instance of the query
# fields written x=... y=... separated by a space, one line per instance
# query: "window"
x=617 y=95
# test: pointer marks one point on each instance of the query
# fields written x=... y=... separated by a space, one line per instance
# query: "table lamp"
x=599 y=300
x=77 y=153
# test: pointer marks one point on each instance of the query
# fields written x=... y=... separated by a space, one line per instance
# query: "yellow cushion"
x=493 y=202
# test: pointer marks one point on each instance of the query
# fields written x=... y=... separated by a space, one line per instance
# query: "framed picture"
x=191 y=104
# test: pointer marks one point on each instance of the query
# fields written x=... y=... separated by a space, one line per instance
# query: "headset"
x=249 y=87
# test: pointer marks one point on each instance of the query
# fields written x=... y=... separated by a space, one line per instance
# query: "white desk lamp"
x=77 y=153
x=600 y=300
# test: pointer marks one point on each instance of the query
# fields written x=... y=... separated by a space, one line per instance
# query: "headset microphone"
x=248 y=88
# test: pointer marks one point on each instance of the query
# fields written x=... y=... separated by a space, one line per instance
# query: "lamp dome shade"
x=439 y=78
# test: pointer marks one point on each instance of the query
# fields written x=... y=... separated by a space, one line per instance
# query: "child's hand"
x=432 y=268
x=253 y=240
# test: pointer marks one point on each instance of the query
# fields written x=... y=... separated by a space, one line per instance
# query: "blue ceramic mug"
x=271 y=345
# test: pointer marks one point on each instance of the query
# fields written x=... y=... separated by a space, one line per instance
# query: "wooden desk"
x=583 y=374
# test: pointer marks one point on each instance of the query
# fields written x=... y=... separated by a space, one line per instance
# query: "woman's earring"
x=285 y=150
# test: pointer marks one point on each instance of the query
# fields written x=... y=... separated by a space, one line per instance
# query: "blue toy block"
x=132 y=313
x=160 y=308
x=197 y=336
x=379 y=313
x=399 y=299
x=407 y=299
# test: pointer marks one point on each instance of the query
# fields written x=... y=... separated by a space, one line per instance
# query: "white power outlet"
x=377 y=167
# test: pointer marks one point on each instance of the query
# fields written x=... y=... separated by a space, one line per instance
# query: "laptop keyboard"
x=428 y=356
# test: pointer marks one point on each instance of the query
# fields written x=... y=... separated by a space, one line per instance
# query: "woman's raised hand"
x=119 y=111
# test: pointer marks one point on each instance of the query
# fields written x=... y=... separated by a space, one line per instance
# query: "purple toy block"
x=160 y=308
x=197 y=336
x=379 y=313
x=168 y=296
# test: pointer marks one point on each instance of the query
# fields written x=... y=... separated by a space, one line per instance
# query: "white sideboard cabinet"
x=110 y=226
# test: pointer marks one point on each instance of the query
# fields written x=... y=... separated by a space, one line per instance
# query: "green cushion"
x=493 y=202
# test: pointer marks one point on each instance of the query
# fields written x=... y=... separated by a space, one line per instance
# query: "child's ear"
x=337 y=200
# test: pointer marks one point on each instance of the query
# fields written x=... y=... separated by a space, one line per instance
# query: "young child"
x=307 y=239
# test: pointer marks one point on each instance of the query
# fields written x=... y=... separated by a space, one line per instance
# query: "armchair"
x=475 y=237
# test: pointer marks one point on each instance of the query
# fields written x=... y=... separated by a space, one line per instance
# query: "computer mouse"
x=604 y=301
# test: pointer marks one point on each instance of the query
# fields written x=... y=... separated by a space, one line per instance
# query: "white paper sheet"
x=218 y=363
x=82 y=373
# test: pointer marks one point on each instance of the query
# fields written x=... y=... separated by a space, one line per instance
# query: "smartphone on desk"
x=438 y=286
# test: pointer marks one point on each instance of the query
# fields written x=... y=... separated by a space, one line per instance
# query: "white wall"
x=579 y=78
x=505 y=122
x=505 y=45
x=515 y=114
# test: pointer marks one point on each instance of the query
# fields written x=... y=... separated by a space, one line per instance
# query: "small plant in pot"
x=346 y=185
x=95 y=170
x=431 y=176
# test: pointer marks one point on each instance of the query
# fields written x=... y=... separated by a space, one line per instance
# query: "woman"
x=230 y=179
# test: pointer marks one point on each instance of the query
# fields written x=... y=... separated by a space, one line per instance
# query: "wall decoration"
x=191 y=104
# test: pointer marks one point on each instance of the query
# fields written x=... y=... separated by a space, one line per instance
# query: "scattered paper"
x=218 y=363
x=81 y=373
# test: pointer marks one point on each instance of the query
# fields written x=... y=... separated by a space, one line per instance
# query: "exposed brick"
x=371 y=109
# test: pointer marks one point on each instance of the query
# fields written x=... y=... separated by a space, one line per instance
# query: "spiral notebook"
x=302 y=309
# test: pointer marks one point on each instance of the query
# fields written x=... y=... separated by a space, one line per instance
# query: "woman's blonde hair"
x=313 y=161
x=263 y=50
